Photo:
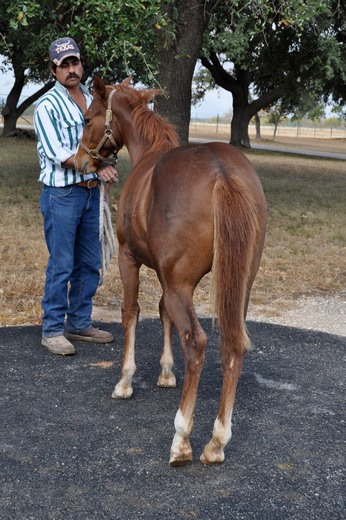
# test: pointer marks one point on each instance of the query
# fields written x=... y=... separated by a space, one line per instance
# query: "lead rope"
x=106 y=234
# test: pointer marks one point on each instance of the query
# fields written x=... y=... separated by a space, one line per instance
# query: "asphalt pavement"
x=71 y=452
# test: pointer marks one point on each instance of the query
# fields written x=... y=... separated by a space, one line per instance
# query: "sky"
x=216 y=102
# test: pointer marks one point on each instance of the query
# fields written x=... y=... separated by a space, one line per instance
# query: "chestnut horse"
x=183 y=211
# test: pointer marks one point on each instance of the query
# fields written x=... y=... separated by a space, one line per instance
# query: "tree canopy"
x=116 y=38
x=259 y=50
x=264 y=51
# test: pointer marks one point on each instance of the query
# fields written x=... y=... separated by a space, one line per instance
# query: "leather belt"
x=91 y=183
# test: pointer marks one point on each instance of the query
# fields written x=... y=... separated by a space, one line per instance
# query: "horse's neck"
x=135 y=145
x=140 y=143
x=136 y=151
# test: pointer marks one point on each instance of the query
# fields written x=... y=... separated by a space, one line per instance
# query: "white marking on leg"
x=167 y=377
x=213 y=452
x=167 y=357
x=181 y=430
x=222 y=433
x=181 y=449
x=123 y=389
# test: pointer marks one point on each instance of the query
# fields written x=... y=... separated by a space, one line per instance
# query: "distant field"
x=285 y=136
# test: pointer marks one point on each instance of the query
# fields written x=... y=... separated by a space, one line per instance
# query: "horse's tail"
x=236 y=228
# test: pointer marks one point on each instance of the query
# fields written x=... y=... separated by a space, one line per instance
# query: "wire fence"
x=267 y=131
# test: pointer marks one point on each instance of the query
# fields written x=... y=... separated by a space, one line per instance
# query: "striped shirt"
x=59 y=123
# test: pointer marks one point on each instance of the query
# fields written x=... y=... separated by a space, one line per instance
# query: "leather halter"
x=108 y=135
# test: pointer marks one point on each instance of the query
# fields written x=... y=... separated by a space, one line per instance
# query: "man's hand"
x=107 y=173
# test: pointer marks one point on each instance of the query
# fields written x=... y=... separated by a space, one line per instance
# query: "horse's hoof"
x=122 y=393
x=180 y=459
x=166 y=381
x=212 y=457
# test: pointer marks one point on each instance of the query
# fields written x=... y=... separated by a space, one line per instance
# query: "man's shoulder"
x=47 y=97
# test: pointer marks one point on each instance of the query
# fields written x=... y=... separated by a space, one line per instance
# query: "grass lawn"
x=304 y=252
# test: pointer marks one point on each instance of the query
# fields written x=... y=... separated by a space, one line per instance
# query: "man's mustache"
x=73 y=76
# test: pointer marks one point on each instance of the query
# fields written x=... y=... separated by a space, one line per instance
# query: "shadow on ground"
x=70 y=452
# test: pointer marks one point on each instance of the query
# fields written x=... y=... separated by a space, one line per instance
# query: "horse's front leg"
x=166 y=378
x=129 y=272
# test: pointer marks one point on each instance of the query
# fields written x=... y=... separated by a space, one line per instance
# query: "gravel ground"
x=68 y=451
x=310 y=313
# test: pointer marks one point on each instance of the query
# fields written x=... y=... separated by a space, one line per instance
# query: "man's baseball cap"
x=63 y=48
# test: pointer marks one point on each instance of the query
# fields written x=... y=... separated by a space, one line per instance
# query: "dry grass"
x=306 y=237
x=304 y=252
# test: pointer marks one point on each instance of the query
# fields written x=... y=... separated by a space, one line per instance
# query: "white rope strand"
x=107 y=237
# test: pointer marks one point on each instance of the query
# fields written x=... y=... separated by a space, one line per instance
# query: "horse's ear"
x=99 y=87
x=148 y=95
x=126 y=81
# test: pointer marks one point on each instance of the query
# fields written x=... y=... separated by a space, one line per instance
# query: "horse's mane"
x=154 y=129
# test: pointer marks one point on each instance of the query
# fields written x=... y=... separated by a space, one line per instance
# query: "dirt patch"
x=324 y=314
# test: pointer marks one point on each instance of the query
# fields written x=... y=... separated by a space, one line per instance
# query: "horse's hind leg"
x=232 y=363
x=166 y=378
x=129 y=271
x=193 y=342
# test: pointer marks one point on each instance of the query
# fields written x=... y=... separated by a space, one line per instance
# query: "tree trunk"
x=240 y=127
x=241 y=114
x=177 y=59
x=10 y=121
x=175 y=104
x=258 y=126
x=11 y=112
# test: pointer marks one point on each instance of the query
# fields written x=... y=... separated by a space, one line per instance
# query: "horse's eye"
x=87 y=120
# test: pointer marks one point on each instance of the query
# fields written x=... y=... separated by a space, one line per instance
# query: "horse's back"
x=193 y=164
x=184 y=178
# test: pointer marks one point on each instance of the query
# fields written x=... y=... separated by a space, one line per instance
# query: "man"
x=70 y=204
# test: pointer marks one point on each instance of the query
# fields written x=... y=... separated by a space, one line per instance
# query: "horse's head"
x=100 y=136
x=103 y=132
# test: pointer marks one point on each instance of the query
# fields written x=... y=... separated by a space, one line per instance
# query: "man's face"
x=69 y=73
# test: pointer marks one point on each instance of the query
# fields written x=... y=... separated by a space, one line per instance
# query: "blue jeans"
x=71 y=228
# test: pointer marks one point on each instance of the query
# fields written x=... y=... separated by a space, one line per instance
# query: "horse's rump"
x=191 y=187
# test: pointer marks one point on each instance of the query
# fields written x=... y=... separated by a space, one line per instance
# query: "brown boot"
x=91 y=334
x=58 y=345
